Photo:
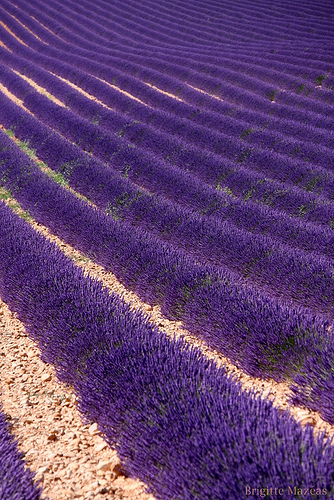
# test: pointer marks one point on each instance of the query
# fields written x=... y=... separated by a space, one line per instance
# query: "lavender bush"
x=16 y=480
x=178 y=422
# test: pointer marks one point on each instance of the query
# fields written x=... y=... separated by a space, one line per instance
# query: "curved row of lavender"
x=218 y=205
x=179 y=423
x=264 y=336
x=16 y=481
x=305 y=279
x=238 y=221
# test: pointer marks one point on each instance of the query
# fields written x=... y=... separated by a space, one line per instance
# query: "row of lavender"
x=178 y=422
x=77 y=31
x=16 y=481
x=123 y=199
x=239 y=180
x=262 y=335
x=193 y=35
x=259 y=258
x=122 y=69
x=203 y=161
x=159 y=136
x=120 y=29
x=305 y=279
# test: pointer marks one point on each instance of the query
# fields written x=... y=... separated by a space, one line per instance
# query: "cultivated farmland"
x=166 y=248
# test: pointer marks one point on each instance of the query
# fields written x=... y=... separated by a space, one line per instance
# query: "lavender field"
x=187 y=147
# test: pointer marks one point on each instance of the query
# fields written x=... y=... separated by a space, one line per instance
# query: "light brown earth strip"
x=50 y=31
x=280 y=391
x=43 y=91
x=40 y=89
x=79 y=89
x=71 y=459
x=122 y=91
x=203 y=92
x=87 y=95
x=51 y=173
x=15 y=99
x=163 y=92
x=5 y=46
x=25 y=27
x=48 y=171
x=9 y=31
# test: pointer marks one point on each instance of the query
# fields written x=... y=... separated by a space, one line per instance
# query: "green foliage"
x=225 y=189
x=312 y=183
x=320 y=79
x=56 y=177
x=272 y=95
x=246 y=132
x=24 y=214
x=249 y=194
x=10 y=132
x=302 y=210
x=126 y=171
x=5 y=194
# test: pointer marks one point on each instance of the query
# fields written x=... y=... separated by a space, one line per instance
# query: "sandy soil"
x=70 y=459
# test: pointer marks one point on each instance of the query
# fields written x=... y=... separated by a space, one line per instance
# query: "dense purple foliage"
x=259 y=259
x=207 y=145
x=239 y=180
x=284 y=164
x=115 y=192
x=177 y=421
x=16 y=481
x=264 y=336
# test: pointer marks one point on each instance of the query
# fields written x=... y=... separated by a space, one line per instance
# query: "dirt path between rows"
x=71 y=460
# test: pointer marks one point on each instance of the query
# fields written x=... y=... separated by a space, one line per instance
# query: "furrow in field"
x=301 y=149
x=289 y=57
x=179 y=235
x=122 y=199
x=104 y=22
x=69 y=458
x=215 y=121
x=237 y=75
x=239 y=182
x=255 y=254
x=255 y=258
x=128 y=27
x=12 y=34
x=274 y=140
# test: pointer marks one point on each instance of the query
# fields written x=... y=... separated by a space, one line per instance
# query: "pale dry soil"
x=71 y=460
x=15 y=99
x=13 y=34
